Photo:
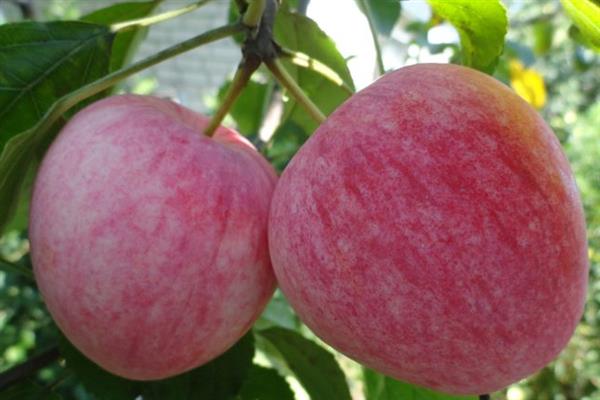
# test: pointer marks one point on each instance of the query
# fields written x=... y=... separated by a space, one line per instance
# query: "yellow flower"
x=528 y=83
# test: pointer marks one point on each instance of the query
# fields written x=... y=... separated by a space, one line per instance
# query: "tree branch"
x=29 y=367
x=282 y=76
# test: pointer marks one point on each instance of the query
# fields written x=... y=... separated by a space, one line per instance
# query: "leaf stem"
x=16 y=269
x=254 y=13
x=154 y=19
x=239 y=82
x=71 y=99
x=305 y=61
x=284 y=78
x=378 y=54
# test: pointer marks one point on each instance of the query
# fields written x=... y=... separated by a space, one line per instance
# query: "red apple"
x=149 y=240
x=431 y=229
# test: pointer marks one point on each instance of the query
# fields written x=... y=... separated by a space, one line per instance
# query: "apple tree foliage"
x=50 y=69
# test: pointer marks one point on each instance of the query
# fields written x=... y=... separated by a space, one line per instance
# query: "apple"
x=431 y=229
x=149 y=239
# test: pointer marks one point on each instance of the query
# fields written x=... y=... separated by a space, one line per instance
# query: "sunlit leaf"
x=383 y=13
x=316 y=368
x=586 y=15
x=127 y=42
x=481 y=25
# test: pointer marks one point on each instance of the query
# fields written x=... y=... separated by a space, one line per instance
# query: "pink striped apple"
x=149 y=240
x=431 y=229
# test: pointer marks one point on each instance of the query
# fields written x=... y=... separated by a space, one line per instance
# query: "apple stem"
x=306 y=61
x=239 y=82
x=284 y=78
x=378 y=54
x=484 y=397
x=154 y=19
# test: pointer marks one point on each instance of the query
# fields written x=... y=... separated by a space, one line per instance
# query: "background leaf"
x=481 y=25
x=125 y=43
x=316 y=368
x=299 y=33
x=40 y=63
x=383 y=13
x=381 y=387
x=28 y=390
x=249 y=108
x=265 y=384
x=586 y=15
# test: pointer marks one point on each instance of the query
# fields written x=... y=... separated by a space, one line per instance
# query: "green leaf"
x=383 y=13
x=482 y=27
x=40 y=63
x=220 y=379
x=316 y=368
x=381 y=387
x=28 y=390
x=265 y=384
x=97 y=381
x=586 y=15
x=288 y=138
x=299 y=33
x=126 y=42
x=249 y=108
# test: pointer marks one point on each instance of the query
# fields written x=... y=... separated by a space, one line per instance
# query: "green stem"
x=240 y=80
x=369 y=14
x=305 y=61
x=254 y=13
x=282 y=76
x=71 y=99
x=16 y=269
x=153 y=19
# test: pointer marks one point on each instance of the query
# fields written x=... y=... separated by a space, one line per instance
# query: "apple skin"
x=148 y=239
x=431 y=229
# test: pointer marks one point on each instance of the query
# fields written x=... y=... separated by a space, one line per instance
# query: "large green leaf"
x=586 y=15
x=380 y=387
x=299 y=33
x=127 y=42
x=265 y=384
x=221 y=378
x=40 y=63
x=482 y=27
x=383 y=14
x=102 y=384
x=315 y=368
